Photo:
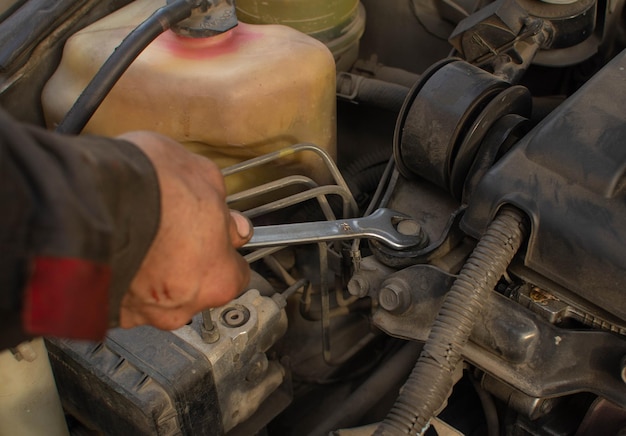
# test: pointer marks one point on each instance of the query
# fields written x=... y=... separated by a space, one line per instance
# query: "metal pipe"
x=281 y=184
x=288 y=151
x=348 y=201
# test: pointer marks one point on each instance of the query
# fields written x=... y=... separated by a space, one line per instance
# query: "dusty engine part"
x=507 y=35
x=243 y=375
x=157 y=382
x=492 y=28
x=449 y=142
x=446 y=117
x=208 y=19
x=572 y=207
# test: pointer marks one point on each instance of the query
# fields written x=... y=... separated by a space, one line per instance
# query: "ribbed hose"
x=364 y=174
x=107 y=76
x=380 y=155
x=431 y=381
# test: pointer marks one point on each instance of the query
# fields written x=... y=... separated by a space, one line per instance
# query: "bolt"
x=394 y=296
x=623 y=369
x=358 y=286
x=409 y=227
x=208 y=330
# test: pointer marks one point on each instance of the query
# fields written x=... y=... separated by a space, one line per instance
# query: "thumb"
x=240 y=229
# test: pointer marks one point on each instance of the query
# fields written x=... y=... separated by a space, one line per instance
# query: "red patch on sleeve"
x=67 y=297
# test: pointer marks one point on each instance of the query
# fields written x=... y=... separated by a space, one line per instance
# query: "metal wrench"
x=381 y=225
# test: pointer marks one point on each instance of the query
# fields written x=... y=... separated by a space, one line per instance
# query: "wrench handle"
x=380 y=225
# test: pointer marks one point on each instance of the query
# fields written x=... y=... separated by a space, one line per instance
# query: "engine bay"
x=491 y=137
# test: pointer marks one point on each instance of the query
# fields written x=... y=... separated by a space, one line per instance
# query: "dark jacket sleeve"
x=77 y=216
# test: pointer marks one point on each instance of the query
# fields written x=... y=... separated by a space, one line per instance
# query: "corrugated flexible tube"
x=431 y=380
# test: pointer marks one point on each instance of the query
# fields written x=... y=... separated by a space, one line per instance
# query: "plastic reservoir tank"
x=29 y=403
x=339 y=23
x=231 y=97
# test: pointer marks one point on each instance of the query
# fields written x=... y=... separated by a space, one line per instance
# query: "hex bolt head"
x=395 y=296
x=358 y=286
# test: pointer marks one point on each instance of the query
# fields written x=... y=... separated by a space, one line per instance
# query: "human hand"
x=193 y=263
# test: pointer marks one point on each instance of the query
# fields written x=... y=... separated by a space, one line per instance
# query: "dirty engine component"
x=438 y=190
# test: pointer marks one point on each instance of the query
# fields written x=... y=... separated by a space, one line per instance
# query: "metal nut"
x=235 y=316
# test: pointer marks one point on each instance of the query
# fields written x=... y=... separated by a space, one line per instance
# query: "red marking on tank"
x=203 y=48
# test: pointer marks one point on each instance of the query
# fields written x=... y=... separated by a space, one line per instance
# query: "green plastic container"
x=337 y=23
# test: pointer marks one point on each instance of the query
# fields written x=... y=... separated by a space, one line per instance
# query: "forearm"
x=79 y=216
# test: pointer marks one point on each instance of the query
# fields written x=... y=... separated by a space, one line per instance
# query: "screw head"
x=394 y=297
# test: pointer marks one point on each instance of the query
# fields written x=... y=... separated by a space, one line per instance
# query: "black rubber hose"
x=431 y=381
x=375 y=70
x=389 y=375
x=375 y=157
x=396 y=75
x=364 y=174
x=119 y=61
x=385 y=95
x=365 y=182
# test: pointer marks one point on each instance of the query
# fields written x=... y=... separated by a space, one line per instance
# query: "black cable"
x=119 y=61
x=384 y=180
x=391 y=186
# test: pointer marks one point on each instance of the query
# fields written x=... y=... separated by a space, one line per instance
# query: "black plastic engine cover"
x=569 y=175
x=141 y=381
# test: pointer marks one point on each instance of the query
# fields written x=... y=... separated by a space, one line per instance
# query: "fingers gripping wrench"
x=382 y=225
